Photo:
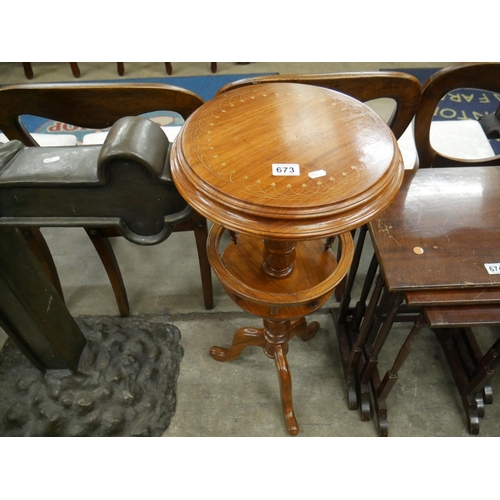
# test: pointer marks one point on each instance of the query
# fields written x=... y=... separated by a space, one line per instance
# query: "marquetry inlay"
x=343 y=150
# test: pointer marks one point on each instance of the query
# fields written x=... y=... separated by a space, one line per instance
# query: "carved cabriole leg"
x=273 y=338
x=285 y=380
x=244 y=337
x=299 y=328
x=277 y=335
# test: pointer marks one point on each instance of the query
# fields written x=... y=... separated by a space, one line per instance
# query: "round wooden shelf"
x=306 y=289
x=349 y=162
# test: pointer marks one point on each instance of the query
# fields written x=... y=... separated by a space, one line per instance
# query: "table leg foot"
x=285 y=380
x=364 y=402
x=488 y=395
x=244 y=337
x=379 y=405
x=273 y=338
x=472 y=414
x=300 y=328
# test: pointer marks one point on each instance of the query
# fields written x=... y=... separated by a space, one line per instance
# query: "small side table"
x=281 y=167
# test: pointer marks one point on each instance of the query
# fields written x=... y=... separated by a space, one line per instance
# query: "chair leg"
x=201 y=236
x=75 y=69
x=108 y=259
x=40 y=249
x=120 y=68
x=168 y=68
x=213 y=67
x=28 y=70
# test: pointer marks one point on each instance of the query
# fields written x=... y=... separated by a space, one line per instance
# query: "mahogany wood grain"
x=464 y=296
x=465 y=315
x=432 y=244
x=441 y=230
x=276 y=265
x=364 y=86
x=403 y=89
x=222 y=159
x=315 y=275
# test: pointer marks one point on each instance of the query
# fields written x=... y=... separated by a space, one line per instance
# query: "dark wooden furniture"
x=231 y=160
x=433 y=244
x=28 y=70
x=98 y=106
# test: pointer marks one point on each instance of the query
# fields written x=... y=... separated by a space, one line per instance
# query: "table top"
x=336 y=162
x=442 y=230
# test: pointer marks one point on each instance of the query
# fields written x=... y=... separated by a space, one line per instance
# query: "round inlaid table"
x=281 y=169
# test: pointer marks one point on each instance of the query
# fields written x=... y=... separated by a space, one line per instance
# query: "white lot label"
x=316 y=174
x=286 y=169
x=493 y=268
x=50 y=160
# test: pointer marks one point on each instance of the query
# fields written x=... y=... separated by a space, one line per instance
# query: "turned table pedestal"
x=282 y=169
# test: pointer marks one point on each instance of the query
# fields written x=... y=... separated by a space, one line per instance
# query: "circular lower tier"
x=315 y=275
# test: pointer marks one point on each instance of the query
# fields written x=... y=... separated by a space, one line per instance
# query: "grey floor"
x=241 y=398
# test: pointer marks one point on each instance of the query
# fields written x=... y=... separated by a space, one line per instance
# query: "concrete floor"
x=241 y=398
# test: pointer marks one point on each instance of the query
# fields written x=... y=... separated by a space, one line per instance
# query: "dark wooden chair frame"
x=98 y=106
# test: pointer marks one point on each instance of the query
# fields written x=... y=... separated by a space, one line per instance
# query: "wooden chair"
x=403 y=89
x=98 y=106
x=454 y=301
x=28 y=70
x=478 y=76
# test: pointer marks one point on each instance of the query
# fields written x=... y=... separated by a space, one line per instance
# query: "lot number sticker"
x=493 y=268
x=286 y=169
